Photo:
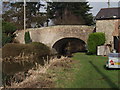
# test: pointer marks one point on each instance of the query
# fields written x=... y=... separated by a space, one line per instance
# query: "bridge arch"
x=52 y=35
x=74 y=44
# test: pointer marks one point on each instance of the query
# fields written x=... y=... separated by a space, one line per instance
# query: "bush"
x=7 y=32
x=8 y=28
x=94 y=40
x=12 y=49
x=6 y=39
x=38 y=49
x=27 y=37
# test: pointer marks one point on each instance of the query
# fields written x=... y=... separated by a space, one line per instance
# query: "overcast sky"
x=98 y=5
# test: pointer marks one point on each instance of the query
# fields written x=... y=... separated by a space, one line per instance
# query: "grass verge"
x=88 y=72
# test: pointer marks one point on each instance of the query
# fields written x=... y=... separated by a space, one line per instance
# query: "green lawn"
x=89 y=72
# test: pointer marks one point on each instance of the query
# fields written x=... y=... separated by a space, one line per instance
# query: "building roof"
x=108 y=13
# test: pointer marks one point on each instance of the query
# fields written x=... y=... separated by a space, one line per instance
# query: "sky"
x=98 y=5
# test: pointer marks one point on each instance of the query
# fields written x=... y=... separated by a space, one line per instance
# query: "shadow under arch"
x=75 y=45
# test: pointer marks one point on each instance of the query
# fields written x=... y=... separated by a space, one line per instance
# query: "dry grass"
x=39 y=77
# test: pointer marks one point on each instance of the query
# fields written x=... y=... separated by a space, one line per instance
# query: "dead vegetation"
x=39 y=77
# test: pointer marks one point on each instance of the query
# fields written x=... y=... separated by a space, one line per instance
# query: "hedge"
x=13 y=49
x=94 y=40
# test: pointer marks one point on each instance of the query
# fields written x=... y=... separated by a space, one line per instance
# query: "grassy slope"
x=89 y=72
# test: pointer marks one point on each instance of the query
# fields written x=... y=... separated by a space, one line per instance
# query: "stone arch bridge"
x=57 y=36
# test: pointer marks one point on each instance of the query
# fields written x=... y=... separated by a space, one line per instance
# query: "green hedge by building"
x=94 y=40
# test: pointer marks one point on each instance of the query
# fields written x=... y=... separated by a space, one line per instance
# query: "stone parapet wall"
x=50 y=35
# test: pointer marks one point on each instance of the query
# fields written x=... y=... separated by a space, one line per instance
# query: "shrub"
x=94 y=40
x=38 y=49
x=8 y=28
x=7 y=32
x=27 y=37
x=12 y=49
x=7 y=39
